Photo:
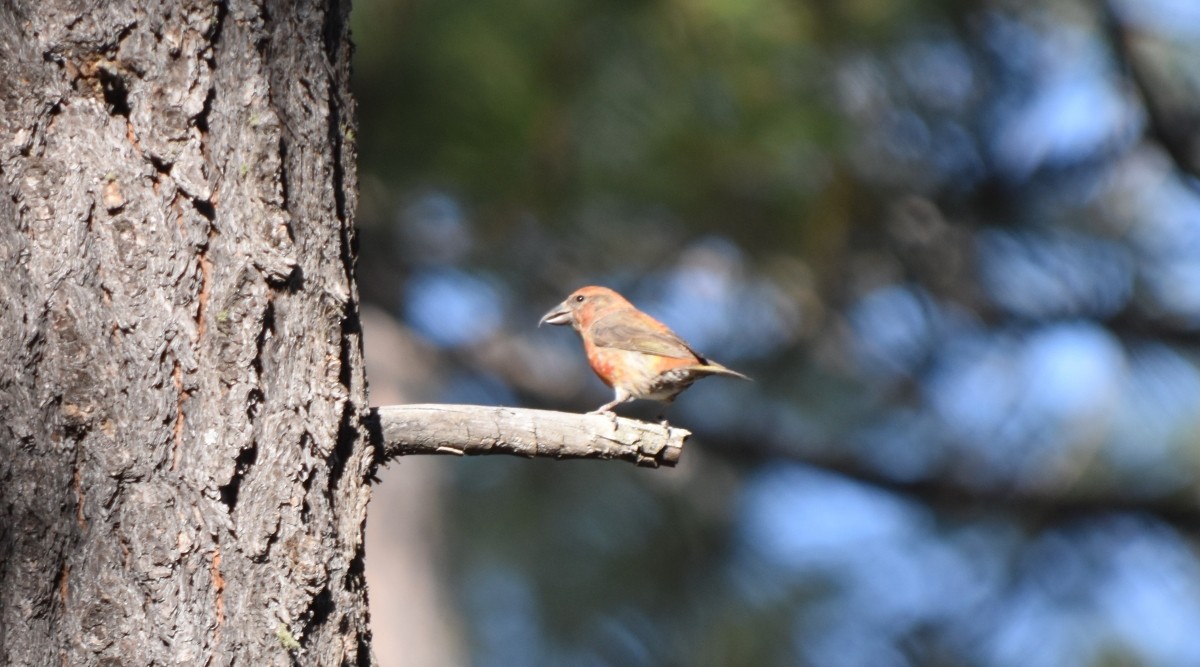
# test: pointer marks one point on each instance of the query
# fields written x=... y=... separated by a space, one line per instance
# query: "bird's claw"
x=662 y=420
x=612 y=415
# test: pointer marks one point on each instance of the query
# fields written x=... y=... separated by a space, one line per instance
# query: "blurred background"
x=957 y=245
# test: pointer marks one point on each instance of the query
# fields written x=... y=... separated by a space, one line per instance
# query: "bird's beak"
x=560 y=314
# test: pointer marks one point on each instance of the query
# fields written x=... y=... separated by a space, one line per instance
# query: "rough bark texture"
x=182 y=479
x=469 y=430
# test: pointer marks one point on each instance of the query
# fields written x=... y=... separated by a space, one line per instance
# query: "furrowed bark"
x=182 y=478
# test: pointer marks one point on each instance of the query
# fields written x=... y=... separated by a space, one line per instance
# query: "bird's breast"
x=642 y=375
x=605 y=365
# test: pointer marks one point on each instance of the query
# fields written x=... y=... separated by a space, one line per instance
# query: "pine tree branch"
x=1171 y=123
x=470 y=430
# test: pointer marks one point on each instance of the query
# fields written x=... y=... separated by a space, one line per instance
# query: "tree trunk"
x=183 y=478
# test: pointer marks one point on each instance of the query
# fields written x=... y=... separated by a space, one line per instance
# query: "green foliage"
x=709 y=108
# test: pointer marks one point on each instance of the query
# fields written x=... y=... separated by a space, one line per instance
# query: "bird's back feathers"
x=636 y=337
x=634 y=331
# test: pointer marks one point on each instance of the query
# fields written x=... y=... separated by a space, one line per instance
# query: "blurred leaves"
x=957 y=244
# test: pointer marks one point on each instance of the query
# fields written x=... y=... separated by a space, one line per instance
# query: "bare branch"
x=400 y=430
x=950 y=492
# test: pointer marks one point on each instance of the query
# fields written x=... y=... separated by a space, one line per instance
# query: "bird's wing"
x=624 y=336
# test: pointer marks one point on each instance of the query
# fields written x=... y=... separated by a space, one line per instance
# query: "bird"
x=635 y=354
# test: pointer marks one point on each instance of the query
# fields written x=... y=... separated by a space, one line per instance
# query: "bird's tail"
x=712 y=367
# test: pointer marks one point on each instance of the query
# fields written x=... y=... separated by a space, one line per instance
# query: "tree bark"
x=183 y=478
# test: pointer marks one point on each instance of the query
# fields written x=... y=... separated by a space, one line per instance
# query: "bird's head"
x=584 y=306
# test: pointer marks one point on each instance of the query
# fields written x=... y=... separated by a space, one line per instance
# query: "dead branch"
x=470 y=430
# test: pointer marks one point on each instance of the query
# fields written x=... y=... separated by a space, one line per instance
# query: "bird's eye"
x=579 y=298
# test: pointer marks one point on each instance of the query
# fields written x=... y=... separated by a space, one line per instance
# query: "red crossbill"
x=635 y=354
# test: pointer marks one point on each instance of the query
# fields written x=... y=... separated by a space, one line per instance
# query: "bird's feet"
x=606 y=411
x=662 y=421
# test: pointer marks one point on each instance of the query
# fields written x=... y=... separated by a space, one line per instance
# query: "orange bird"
x=635 y=354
